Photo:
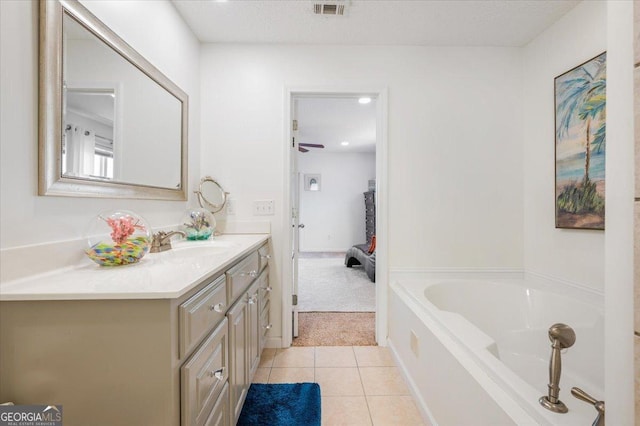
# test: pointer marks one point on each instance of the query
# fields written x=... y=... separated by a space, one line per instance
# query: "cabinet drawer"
x=240 y=276
x=201 y=313
x=203 y=376
x=220 y=414
x=263 y=252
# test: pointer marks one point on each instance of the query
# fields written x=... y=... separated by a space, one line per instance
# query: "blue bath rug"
x=287 y=404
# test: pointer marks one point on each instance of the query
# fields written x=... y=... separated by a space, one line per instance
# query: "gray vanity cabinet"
x=185 y=361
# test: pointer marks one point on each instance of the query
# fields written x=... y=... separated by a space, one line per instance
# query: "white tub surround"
x=165 y=275
x=486 y=343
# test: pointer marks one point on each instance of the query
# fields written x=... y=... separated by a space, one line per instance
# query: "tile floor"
x=360 y=385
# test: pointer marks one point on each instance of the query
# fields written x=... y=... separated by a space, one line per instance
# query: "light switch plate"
x=231 y=207
x=263 y=207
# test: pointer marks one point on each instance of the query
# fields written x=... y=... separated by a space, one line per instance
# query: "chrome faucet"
x=599 y=405
x=562 y=336
x=162 y=241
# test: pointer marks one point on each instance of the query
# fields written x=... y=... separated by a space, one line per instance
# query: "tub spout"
x=562 y=336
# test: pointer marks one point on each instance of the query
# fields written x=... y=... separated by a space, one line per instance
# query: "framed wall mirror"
x=111 y=124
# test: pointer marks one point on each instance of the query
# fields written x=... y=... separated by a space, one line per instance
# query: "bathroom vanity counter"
x=171 y=341
x=166 y=275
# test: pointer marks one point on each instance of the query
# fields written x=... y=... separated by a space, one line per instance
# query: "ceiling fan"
x=301 y=146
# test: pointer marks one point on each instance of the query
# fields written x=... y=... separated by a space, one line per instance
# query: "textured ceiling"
x=371 y=22
x=330 y=121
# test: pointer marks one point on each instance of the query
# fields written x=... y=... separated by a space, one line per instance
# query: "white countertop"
x=165 y=275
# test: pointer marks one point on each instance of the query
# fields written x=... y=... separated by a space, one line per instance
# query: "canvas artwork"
x=580 y=106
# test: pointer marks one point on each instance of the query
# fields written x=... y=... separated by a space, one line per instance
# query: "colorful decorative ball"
x=198 y=224
x=118 y=238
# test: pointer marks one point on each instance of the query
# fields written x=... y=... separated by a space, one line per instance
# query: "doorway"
x=318 y=176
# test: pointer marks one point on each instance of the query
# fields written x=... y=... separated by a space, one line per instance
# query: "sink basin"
x=211 y=246
x=198 y=251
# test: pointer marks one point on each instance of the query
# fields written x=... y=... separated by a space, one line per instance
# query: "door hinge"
x=295 y=125
x=294 y=300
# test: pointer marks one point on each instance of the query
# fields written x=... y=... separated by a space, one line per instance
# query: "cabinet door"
x=220 y=413
x=263 y=327
x=203 y=377
x=238 y=318
x=254 y=324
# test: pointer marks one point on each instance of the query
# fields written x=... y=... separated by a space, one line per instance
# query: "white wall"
x=154 y=29
x=600 y=260
x=619 y=300
x=455 y=164
x=572 y=255
x=454 y=128
x=334 y=217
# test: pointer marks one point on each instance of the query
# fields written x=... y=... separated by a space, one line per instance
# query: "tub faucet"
x=162 y=241
x=562 y=336
x=599 y=405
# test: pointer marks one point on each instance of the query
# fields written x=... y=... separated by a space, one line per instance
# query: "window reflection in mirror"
x=87 y=143
x=118 y=124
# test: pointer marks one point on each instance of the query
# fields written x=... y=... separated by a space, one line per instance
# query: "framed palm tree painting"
x=580 y=138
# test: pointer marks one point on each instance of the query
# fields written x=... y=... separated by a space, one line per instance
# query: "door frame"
x=382 y=276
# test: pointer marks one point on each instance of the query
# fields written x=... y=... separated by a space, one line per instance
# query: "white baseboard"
x=427 y=416
x=273 y=342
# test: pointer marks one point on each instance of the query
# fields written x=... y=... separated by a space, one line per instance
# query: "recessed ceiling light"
x=345 y=143
x=364 y=100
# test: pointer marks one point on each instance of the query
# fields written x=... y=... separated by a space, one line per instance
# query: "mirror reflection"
x=211 y=195
x=118 y=124
x=87 y=142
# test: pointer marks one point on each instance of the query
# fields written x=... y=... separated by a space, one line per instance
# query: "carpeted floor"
x=326 y=285
x=336 y=329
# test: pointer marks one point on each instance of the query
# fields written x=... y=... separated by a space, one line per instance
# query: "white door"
x=295 y=219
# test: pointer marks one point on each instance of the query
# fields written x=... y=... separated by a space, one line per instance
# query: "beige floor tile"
x=295 y=357
x=266 y=359
x=342 y=381
x=373 y=356
x=261 y=375
x=335 y=356
x=345 y=410
x=394 y=410
x=291 y=375
x=382 y=381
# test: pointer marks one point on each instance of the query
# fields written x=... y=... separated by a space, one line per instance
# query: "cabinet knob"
x=267 y=289
x=252 y=299
x=268 y=327
x=217 y=308
x=265 y=256
x=252 y=274
x=218 y=374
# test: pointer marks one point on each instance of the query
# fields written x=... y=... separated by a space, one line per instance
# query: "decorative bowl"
x=118 y=238
x=198 y=224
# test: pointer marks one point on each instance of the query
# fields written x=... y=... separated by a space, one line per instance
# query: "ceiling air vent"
x=328 y=9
